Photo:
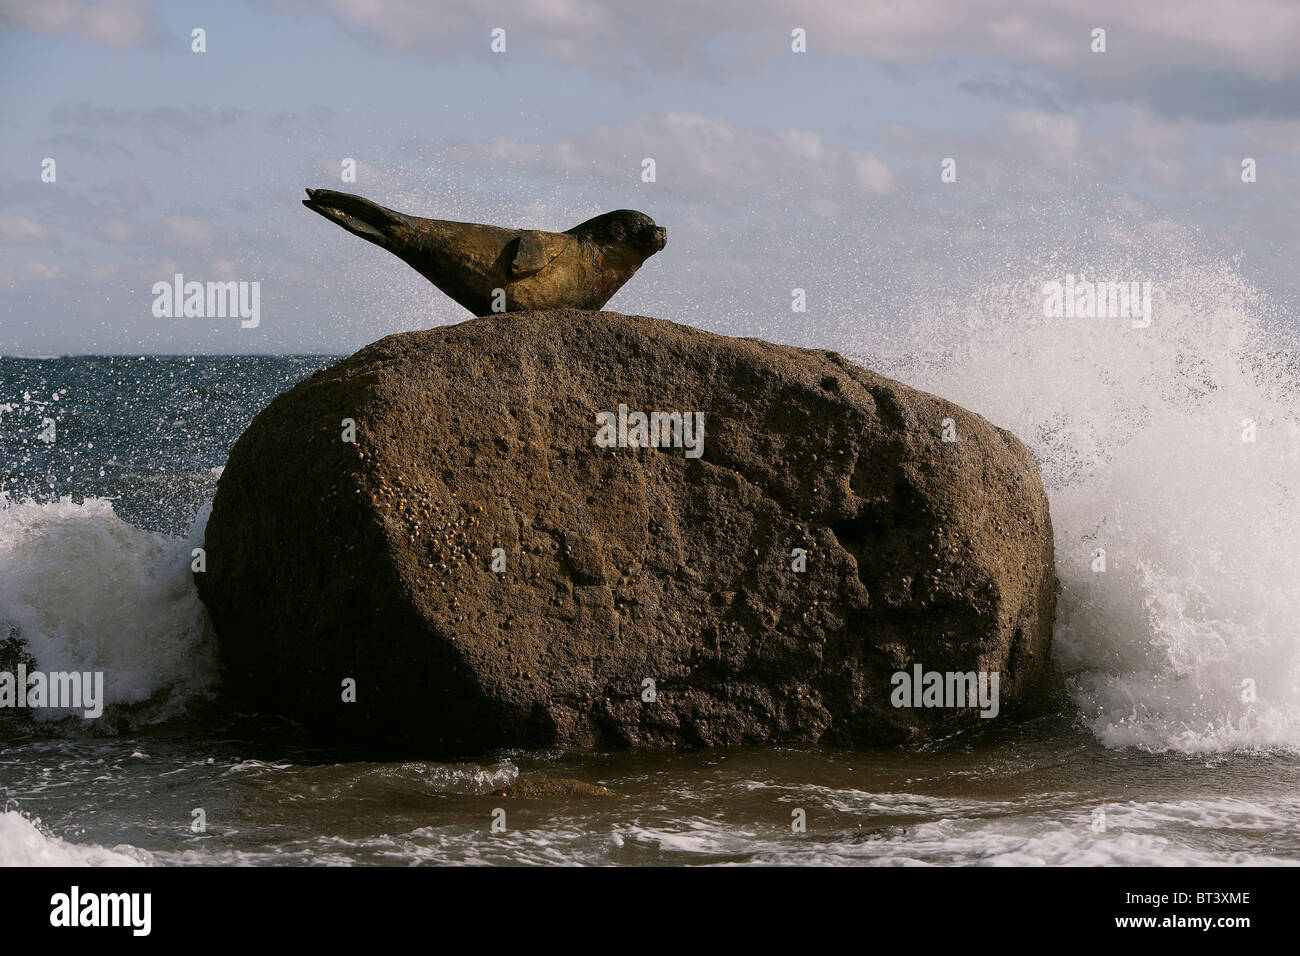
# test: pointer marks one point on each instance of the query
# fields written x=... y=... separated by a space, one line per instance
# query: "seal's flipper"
x=361 y=217
x=535 y=252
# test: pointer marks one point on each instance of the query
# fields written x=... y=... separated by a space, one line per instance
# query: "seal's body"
x=578 y=269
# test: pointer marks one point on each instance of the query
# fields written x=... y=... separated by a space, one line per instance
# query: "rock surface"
x=371 y=561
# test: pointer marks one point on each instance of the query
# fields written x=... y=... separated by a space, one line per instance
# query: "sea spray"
x=25 y=842
x=86 y=591
x=1173 y=452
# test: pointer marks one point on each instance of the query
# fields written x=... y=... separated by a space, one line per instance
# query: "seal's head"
x=624 y=229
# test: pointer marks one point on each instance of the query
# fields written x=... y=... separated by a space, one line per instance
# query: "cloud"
x=28 y=272
x=100 y=148
x=116 y=230
x=187 y=231
x=300 y=122
x=1014 y=91
x=163 y=121
x=130 y=193
x=1251 y=41
x=696 y=158
x=113 y=23
x=1054 y=132
x=20 y=231
x=1218 y=96
x=101 y=131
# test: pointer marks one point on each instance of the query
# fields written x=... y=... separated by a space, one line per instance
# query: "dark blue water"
x=145 y=432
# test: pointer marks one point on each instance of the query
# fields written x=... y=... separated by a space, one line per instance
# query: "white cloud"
x=114 y=23
x=116 y=230
x=187 y=231
x=1053 y=131
x=28 y=271
x=16 y=229
x=696 y=157
x=1257 y=38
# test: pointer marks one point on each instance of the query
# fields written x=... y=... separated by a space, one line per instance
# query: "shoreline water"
x=1041 y=792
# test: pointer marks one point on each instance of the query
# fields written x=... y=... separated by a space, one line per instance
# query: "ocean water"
x=1173 y=737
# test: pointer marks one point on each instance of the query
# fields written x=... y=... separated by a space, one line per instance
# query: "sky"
x=775 y=169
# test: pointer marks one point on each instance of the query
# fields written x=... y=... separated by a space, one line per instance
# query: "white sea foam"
x=89 y=592
x=1138 y=433
x=1135 y=834
x=22 y=843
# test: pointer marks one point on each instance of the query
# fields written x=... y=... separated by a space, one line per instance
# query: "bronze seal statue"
x=491 y=269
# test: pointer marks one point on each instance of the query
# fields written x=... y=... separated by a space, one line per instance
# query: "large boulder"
x=374 y=562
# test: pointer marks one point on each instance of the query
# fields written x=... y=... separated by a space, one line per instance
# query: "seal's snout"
x=646 y=237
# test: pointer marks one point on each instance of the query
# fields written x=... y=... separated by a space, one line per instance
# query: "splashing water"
x=87 y=591
x=1175 y=450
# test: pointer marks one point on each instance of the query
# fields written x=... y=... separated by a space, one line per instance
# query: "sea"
x=1172 y=735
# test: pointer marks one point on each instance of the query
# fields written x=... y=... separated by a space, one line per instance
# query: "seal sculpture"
x=492 y=269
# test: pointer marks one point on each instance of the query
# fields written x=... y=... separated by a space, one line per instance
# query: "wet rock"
x=484 y=574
